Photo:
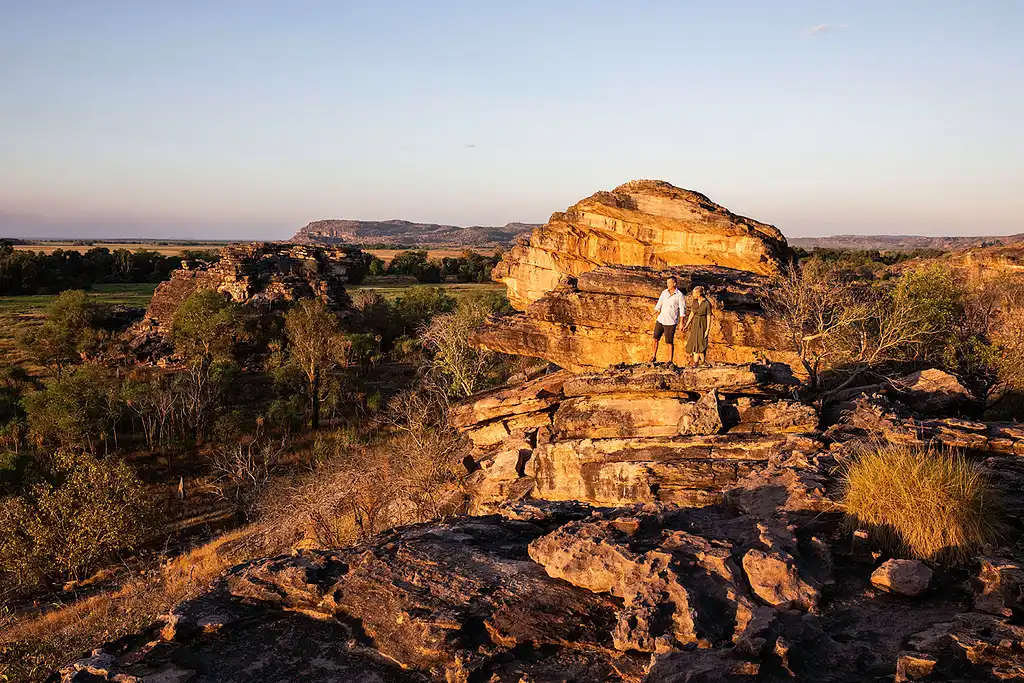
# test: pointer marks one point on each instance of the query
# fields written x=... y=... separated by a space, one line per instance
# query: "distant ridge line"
x=905 y=242
x=405 y=233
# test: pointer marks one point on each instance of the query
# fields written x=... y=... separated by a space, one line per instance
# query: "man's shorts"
x=668 y=330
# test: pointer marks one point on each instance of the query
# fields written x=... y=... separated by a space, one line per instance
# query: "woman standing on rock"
x=699 y=323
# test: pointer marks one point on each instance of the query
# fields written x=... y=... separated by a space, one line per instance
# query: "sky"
x=246 y=119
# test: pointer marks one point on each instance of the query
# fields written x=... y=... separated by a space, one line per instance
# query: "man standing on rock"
x=671 y=308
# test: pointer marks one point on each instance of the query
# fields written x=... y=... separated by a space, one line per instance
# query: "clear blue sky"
x=249 y=118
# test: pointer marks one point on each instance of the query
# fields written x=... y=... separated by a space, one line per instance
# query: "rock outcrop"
x=761 y=588
x=631 y=434
x=647 y=223
x=261 y=274
x=587 y=281
x=605 y=317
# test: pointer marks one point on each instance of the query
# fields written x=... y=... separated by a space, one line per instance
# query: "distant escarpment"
x=398 y=232
x=587 y=281
x=264 y=275
x=906 y=242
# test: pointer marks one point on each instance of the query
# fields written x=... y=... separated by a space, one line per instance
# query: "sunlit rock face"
x=587 y=281
x=605 y=317
x=647 y=223
x=632 y=434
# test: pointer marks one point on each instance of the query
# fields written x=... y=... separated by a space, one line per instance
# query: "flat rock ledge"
x=631 y=434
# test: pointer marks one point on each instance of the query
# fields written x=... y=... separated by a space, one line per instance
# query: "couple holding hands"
x=670 y=309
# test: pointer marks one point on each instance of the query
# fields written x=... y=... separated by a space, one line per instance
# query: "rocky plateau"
x=406 y=233
x=764 y=585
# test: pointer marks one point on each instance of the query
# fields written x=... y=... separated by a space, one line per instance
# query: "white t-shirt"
x=671 y=307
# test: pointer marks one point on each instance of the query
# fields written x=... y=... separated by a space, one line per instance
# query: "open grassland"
x=163 y=247
x=391 y=286
x=386 y=255
x=176 y=248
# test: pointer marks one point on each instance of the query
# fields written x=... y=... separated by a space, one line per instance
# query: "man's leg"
x=658 y=331
x=672 y=353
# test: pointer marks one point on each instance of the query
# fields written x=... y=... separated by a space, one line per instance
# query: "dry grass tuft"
x=31 y=648
x=922 y=502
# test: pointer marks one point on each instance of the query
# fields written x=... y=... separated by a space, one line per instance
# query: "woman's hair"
x=697 y=290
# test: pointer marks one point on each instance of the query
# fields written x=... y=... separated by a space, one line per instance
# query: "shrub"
x=244 y=471
x=460 y=368
x=68 y=335
x=76 y=411
x=922 y=502
x=418 y=305
x=409 y=470
x=84 y=513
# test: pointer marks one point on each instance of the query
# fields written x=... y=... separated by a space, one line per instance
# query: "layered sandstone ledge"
x=605 y=317
x=631 y=434
x=647 y=223
x=587 y=281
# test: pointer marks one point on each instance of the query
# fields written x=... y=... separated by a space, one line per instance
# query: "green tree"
x=68 y=336
x=940 y=297
x=207 y=327
x=418 y=305
x=407 y=262
x=317 y=346
x=377 y=267
x=206 y=331
x=77 y=411
x=86 y=510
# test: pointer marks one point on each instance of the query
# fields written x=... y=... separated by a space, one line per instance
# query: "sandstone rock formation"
x=587 y=281
x=646 y=223
x=260 y=274
x=604 y=317
x=903 y=577
x=763 y=588
x=631 y=434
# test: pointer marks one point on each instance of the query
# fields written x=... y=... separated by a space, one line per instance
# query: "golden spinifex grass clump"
x=923 y=502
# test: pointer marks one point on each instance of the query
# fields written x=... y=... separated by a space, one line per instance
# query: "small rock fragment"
x=1000 y=586
x=913 y=666
x=701 y=417
x=903 y=577
x=774 y=578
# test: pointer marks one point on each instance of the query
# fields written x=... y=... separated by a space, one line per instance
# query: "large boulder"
x=587 y=280
x=641 y=223
x=933 y=391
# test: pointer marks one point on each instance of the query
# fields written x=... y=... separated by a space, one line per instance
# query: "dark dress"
x=697 y=338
